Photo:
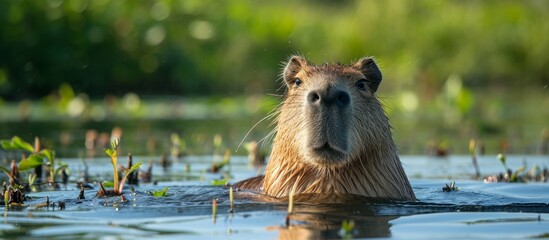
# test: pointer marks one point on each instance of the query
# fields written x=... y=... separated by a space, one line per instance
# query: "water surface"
x=476 y=210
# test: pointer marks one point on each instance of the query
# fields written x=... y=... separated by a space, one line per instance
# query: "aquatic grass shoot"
x=214 y=209
x=291 y=202
x=216 y=167
x=117 y=184
x=473 y=152
x=231 y=200
x=114 y=159
x=12 y=173
x=503 y=161
x=6 y=194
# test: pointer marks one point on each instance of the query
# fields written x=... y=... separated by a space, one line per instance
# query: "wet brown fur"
x=371 y=166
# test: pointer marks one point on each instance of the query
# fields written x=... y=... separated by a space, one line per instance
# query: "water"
x=476 y=210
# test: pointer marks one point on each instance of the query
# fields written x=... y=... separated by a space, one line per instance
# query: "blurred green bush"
x=203 y=47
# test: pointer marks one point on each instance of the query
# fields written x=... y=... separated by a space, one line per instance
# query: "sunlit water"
x=476 y=210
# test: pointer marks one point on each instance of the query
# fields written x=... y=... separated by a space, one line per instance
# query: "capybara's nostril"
x=342 y=98
x=313 y=97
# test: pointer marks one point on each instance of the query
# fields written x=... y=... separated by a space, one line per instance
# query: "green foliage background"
x=210 y=47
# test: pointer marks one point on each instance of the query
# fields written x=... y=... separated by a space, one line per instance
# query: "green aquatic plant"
x=473 y=152
x=450 y=188
x=535 y=174
x=133 y=177
x=347 y=229
x=159 y=193
x=503 y=160
x=214 y=209
x=5 y=194
x=13 y=195
x=231 y=200
x=12 y=173
x=221 y=182
x=215 y=167
x=117 y=184
x=36 y=158
x=291 y=202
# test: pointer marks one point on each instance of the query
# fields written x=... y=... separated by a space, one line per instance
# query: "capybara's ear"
x=370 y=70
x=294 y=65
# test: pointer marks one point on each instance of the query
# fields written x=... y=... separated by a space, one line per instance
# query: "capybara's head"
x=333 y=138
x=331 y=111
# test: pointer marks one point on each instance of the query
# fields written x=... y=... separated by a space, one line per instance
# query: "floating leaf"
x=161 y=193
x=220 y=182
x=34 y=160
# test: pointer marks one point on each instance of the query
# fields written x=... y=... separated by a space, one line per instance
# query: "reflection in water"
x=325 y=222
x=318 y=219
x=321 y=217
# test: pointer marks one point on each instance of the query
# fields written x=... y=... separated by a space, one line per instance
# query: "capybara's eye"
x=297 y=82
x=361 y=84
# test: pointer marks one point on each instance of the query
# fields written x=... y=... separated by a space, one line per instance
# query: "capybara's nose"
x=340 y=98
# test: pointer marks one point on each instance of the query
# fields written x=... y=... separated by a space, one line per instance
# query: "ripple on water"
x=501 y=210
